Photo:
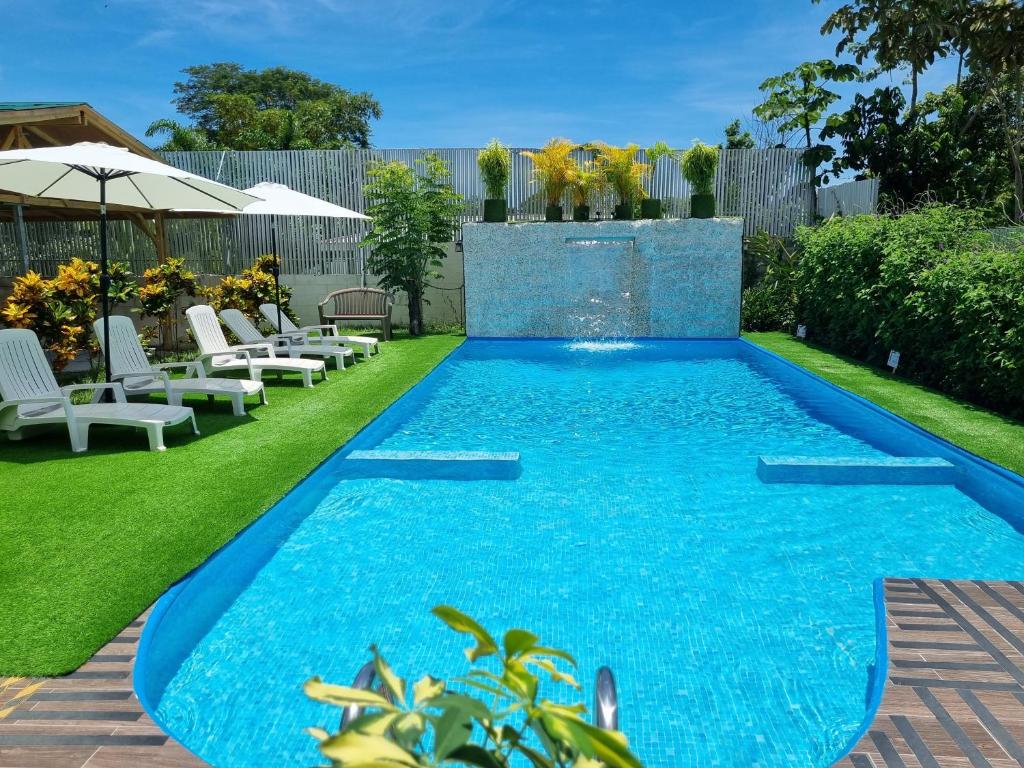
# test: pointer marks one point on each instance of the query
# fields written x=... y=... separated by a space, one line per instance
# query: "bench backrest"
x=206 y=330
x=357 y=302
x=241 y=326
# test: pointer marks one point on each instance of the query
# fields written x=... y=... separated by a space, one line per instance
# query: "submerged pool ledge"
x=857 y=470
x=436 y=465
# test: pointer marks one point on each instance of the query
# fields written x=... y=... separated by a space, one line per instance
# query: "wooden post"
x=22 y=234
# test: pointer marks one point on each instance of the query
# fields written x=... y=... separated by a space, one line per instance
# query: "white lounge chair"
x=219 y=356
x=243 y=328
x=130 y=366
x=318 y=334
x=31 y=396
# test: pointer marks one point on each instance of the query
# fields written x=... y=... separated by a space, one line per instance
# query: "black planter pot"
x=650 y=208
x=624 y=211
x=553 y=213
x=581 y=213
x=496 y=211
x=702 y=206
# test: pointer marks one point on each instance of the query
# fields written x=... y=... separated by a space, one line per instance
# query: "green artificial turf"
x=88 y=541
x=987 y=434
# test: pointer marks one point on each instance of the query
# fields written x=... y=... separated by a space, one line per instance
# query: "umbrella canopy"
x=72 y=173
x=100 y=173
x=280 y=200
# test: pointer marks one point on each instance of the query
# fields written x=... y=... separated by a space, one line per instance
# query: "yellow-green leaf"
x=425 y=688
x=517 y=641
x=552 y=670
x=343 y=695
x=318 y=733
x=391 y=681
x=460 y=622
x=354 y=748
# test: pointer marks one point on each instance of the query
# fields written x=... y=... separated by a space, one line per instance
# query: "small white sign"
x=801 y=331
x=894 y=360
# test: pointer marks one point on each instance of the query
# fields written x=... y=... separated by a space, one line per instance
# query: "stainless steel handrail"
x=606 y=701
x=364 y=679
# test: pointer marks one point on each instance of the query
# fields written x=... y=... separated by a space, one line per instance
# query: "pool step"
x=857 y=470
x=433 y=465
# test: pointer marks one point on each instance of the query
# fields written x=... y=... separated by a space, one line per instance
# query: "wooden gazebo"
x=49 y=124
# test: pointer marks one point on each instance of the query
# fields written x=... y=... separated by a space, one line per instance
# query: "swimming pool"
x=738 y=615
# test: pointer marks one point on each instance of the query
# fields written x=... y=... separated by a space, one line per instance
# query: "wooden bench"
x=358 y=304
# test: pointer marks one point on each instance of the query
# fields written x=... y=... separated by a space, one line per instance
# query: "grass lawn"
x=987 y=434
x=88 y=541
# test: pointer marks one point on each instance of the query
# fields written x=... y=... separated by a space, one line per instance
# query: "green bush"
x=929 y=283
x=767 y=308
x=769 y=303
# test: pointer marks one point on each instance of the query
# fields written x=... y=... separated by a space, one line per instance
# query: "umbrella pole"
x=277 y=272
x=104 y=278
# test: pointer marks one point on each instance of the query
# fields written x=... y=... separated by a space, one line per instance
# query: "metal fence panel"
x=848 y=199
x=769 y=188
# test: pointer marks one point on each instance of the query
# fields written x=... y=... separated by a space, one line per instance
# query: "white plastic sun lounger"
x=216 y=355
x=318 y=334
x=130 y=366
x=31 y=396
x=243 y=328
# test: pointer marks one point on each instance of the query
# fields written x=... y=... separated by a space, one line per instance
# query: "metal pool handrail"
x=364 y=679
x=606 y=701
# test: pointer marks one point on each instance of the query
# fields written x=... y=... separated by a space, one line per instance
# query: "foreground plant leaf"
x=343 y=695
x=460 y=622
x=353 y=748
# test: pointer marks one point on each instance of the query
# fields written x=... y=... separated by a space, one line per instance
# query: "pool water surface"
x=738 y=616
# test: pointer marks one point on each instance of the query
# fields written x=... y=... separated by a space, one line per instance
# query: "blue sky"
x=447 y=73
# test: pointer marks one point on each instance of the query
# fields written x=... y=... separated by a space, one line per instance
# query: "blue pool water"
x=737 y=616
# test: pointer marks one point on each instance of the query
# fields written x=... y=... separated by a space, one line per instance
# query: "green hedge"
x=930 y=283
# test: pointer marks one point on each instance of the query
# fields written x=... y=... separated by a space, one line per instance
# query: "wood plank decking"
x=954 y=693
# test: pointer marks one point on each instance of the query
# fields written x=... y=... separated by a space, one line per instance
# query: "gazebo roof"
x=27 y=124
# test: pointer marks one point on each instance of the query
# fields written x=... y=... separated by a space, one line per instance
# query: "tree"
x=275 y=108
x=180 y=138
x=797 y=100
x=734 y=139
x=896 y=33
x=413 y=215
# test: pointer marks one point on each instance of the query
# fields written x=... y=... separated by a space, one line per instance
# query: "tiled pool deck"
x=954 y=695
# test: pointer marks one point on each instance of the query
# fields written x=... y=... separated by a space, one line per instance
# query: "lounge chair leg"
x=155 y=433
x=79 y=435
x=237 y=405
x=175 y=398
x=263 y=396
x=195 y=427
x=307 y=379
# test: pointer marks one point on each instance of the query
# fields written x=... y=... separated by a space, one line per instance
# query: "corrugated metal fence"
x=769 y=188
x=848 y=199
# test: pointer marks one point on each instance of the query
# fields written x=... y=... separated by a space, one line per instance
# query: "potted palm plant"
x=553 y=168
x=699 y=164
x=650 y=206
x=587 y=181
x=495 y=164
x=624 y=175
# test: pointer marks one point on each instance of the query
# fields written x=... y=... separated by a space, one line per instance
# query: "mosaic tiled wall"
x=673 y=278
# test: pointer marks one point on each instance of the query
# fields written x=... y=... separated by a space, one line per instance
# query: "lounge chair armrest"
x=265 y=347
x=331 y=330
x=153 y=373
x=113 y=386
x=191 y=367
x=5 y=404
x=236 y=351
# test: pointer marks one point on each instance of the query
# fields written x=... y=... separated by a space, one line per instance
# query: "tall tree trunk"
x=913 y=94
x=959 y=66
x=415 y=311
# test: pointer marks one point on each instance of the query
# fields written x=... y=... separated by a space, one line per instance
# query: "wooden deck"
x=88 y=718
x=954 y=693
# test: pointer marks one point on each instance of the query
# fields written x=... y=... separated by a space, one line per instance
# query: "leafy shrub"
x=254 y=286
x=553 y=167
x=587 y=182
x=495 y=164
x=622 y=171
x=61 y=310
x=929 y=283
x=163 y=286
x=770 y=303
x=438 y=728
x=699 y=164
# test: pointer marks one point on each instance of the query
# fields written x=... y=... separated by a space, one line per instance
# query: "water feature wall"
x=670 y=278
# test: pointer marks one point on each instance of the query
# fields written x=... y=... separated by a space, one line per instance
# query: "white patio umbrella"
x=99 y=173
x=280 y=200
